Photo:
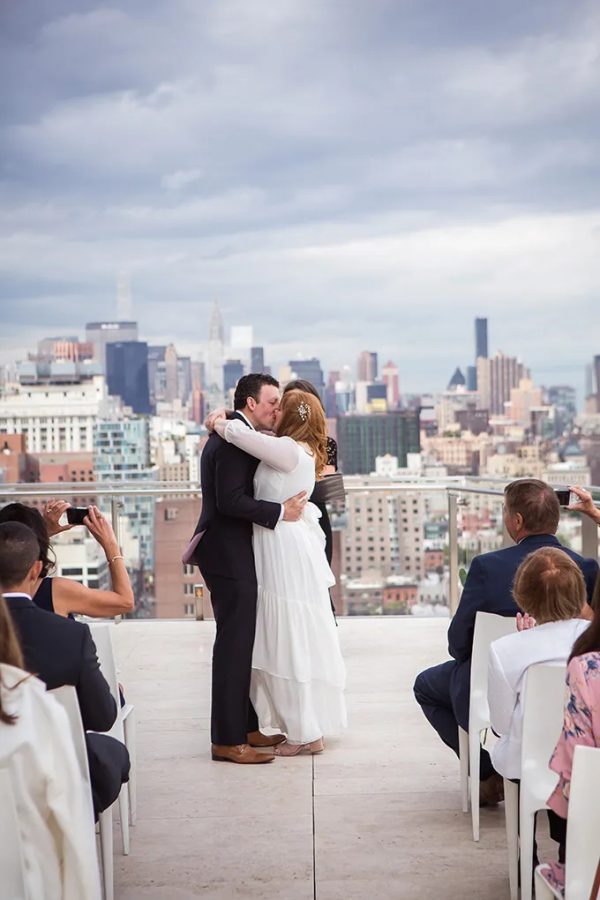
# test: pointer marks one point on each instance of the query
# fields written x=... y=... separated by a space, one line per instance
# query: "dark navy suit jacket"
x=489 y=588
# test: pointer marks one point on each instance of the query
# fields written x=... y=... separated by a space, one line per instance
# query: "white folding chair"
x=66 y=695
x=12 y=863
x=542 y=721
x=583 y=830
x=123 y=729
x=488 y=627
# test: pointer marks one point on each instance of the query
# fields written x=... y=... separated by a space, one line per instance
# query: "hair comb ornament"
x=303 y=410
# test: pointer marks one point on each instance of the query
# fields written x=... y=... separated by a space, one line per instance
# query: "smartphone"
x=76 y=514
x=563 y=495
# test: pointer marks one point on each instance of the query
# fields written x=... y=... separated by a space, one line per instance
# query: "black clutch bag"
x=330 y=489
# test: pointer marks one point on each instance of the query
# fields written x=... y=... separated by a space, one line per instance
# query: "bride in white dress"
x=298 y=674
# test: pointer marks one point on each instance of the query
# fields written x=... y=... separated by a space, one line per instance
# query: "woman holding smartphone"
x=65 y=596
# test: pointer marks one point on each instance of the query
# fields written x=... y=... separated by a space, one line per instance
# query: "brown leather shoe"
x=491 y=791
x=258 y=739
x=240 y=753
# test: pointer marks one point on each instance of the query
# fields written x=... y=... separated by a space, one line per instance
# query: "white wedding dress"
x=298 y=674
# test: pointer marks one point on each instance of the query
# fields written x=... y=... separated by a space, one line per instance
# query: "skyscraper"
x=232 y=372
x=103 y=333
x=127 y=374
x=496 y=377
x=257 y=359
x=309 y=370
x=481 y=338
x=171 y=374
x=215 y=358
x=366 y=366
x=389 y=375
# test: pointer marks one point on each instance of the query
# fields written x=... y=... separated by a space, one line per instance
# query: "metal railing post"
x=453 y=551
x=589 y=537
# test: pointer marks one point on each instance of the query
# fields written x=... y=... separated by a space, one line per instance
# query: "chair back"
x=66 y=695
x=583 y=831
x=488 y=627
x=543 y=706
x=101 y=635
x=12 y=864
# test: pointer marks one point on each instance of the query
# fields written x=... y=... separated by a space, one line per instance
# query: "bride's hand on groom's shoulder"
x=209 y=422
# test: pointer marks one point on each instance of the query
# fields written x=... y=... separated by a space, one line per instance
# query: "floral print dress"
x=581 y=725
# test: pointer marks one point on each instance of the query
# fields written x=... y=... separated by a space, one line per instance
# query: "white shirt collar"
x=246 y=419
x=16 y=594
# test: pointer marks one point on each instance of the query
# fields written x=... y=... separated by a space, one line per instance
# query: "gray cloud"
x=342 y=175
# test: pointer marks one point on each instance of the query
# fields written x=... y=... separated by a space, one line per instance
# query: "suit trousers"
x=234 y=606
x=109 y=764
x=432 y=693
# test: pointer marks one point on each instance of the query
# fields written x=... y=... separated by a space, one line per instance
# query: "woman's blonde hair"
x=549 y=586
x=302 y=418
x=10 y=652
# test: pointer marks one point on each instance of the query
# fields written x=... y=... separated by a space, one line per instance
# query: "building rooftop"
x=377 y=815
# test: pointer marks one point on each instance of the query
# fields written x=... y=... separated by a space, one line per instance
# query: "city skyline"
x=434 y=162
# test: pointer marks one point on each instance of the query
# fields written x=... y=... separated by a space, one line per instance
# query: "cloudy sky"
x=367 y=174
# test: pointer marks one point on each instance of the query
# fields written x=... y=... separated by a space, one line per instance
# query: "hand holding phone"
x=76 y=515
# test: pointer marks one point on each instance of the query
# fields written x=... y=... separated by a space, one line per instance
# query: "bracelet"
x=118 y=556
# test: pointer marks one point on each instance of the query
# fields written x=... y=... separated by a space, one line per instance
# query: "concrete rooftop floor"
x=377 y=815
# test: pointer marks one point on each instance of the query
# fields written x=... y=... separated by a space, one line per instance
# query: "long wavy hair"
x=10 y=653
x=301 y=417
x=32 y=517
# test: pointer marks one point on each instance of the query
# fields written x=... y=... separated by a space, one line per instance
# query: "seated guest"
x=63 y=595
x=61 y=651
x=54 y=810
x=581 y=722
x=531 y=516
x=550 y=589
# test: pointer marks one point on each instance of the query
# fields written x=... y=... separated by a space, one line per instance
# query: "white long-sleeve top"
x=281 y=453
x=510 y=657
x=54 y=804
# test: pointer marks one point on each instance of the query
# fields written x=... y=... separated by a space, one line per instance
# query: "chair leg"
x=463 y=747
x=474 y=754
x=511 y=817
x=124 y=814
x=130 y=735
x=526 y=834
x=106 y=851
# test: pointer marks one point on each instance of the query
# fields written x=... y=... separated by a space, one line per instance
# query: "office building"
x=215 y=356
x=57 y=418
x=308 y=370
x=232 y=372
x=362 y=438
x=366 y=366
x=257 y=359
x=496 y=376
x=180 y=591
x=390 y=377
x=100 y=334
x=481 y=338
x=122 y=453
x=127 y=374
x=16 y=464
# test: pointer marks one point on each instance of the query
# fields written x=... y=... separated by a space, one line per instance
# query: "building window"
x=188 y=590
x=67 y=572
x=170 y=514
x=189 y=609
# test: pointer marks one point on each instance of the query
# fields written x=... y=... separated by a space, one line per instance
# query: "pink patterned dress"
x=581 y=725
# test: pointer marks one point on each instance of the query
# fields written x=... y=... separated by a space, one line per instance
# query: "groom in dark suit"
x=531 y=517
x=224 y=554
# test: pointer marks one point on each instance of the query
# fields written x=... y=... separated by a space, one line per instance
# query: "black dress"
x=43 y=595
